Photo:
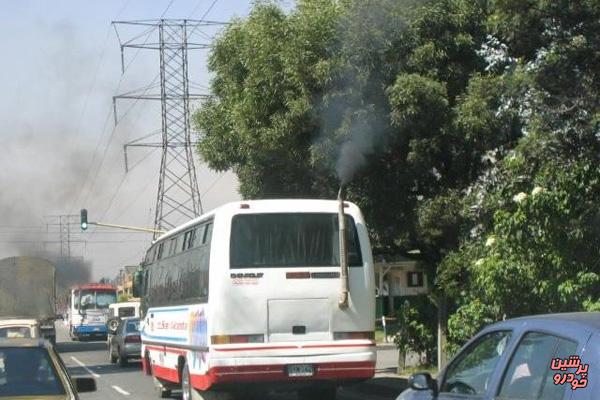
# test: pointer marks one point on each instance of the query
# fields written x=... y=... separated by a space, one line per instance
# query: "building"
x=125 y=285
x=397 y=278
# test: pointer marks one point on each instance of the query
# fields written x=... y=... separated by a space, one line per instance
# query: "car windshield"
x=28 y=371
x=15 y=332
x=97 y=299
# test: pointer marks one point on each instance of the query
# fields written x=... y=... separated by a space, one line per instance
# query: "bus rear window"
x=290 y=240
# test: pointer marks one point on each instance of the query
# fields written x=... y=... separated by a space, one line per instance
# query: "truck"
x=28 y=291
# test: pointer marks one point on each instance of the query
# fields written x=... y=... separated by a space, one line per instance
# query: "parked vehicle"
x=125 y=342
x=19 y=328
x=27 y=291
x=31 y=368
x=545 y=357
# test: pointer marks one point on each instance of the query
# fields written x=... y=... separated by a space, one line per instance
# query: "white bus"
x=250 y=297
x=88 y=310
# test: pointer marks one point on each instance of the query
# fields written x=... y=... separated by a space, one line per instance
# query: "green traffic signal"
x=84 y=221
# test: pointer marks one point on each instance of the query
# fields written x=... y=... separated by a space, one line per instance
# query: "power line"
x=124 y=69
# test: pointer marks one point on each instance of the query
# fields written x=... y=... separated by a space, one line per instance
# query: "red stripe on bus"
x=167 y=350
x=272 y=373
x=168 y=374
x=308 y=346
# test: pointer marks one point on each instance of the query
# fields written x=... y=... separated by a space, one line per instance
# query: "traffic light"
x=84 y=221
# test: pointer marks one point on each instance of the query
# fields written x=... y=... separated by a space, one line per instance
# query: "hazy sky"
x=61 y=151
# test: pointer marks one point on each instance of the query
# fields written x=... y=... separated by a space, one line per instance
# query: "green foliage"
x=534 y=242
x=296 y=93
x=437 y=113
x=123 y=298
x=417 y=328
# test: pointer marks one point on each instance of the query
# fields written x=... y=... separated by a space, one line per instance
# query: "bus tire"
x=189 y=393
x=148 y=366
x=318 y=393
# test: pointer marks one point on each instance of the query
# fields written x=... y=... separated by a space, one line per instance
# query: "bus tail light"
x=237 y=339
x=133 y=339
x=353 y=335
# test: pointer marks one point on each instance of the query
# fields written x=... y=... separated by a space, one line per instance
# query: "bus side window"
x=198 y=237
x=150 y=255
x=186 y=240
x=160 y=251
x=172 y=247
x=207 y=234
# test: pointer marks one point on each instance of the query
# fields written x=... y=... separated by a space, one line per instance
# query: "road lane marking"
x=82 y=365
x=118 y=389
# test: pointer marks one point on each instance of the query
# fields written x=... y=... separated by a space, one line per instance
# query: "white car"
x=117 y=311
x=19 y=328
x=125 y=309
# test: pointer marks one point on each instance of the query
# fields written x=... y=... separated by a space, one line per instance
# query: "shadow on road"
x=107 y=369
x=382 y=386
x=72 y=347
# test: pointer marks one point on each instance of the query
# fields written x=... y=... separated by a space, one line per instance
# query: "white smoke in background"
x=353 y=153
x=353 y=108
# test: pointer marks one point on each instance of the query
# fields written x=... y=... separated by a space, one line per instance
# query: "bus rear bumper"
x=335 y=369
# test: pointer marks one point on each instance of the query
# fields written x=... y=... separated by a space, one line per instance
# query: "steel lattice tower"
x=178 y=197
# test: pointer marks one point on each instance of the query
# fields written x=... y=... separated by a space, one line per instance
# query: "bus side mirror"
x=138 y=281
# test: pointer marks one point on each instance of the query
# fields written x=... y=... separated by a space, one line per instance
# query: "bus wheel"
x=318 y=393
x=189 y=393
x=147 y=365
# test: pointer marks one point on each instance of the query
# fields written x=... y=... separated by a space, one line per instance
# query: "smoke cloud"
x=354 y=116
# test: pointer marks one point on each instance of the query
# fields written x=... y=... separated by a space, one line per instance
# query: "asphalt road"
x=114 y=382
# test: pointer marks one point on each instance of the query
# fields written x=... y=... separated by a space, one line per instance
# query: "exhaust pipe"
x=343 y=302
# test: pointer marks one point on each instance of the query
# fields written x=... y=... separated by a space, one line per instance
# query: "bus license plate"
x=300 y=370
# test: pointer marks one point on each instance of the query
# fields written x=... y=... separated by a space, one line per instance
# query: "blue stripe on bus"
x=168 y=309
x=180 y=340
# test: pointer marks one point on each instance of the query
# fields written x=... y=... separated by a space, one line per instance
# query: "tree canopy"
x=468 y=130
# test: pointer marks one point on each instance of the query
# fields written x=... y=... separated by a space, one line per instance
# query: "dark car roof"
x=588 y=320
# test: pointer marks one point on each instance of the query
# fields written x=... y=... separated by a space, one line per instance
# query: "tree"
x=366 y=93
x=394 y=99
x=533 y=217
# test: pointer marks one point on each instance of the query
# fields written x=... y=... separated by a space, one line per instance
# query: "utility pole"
x=63 y=222
x=178 y=197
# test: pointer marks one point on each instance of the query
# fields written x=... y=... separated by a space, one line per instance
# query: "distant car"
x=19 y=328
x=124 y=309
x=546 y=357
x=125 y=342
x=31 y=368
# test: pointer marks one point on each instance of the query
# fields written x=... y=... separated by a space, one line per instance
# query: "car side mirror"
x=422 y=381
x=83 y=385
